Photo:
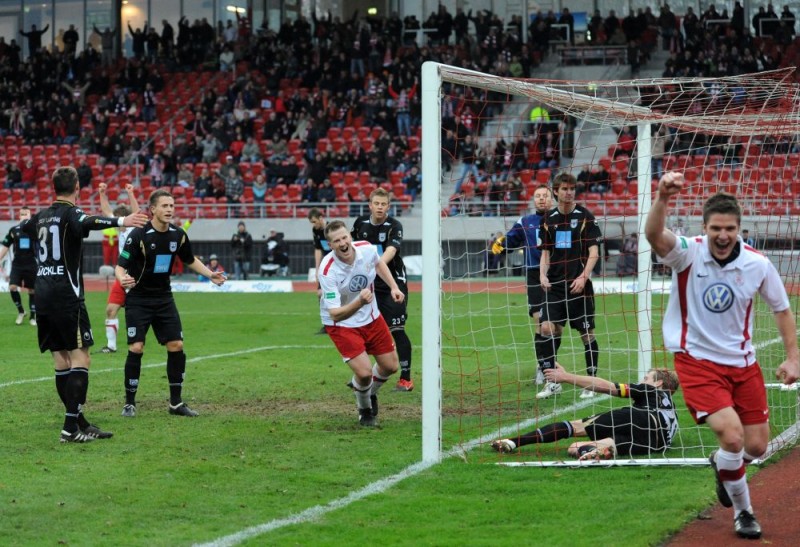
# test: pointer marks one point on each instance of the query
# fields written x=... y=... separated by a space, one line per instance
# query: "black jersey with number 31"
x=384 y=235
x=148 y=255
x=568 y=238
x=59 y=231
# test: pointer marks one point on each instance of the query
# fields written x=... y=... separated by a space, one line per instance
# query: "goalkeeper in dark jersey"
x=63 y=323
x=23 y=266
x=645 y=427
x=386 y=233
x=525 y=234
x=144 y=269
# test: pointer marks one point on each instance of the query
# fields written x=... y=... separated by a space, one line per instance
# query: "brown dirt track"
x=775 y=493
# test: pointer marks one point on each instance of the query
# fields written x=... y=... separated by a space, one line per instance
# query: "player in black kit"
x=63 y=322
x=23 y=266
x=143 y=271
x=645 y=427
x=321 y=246
x=570 y=249
x=386 y=233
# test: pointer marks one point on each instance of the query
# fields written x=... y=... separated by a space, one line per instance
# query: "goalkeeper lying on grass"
x=647 y=426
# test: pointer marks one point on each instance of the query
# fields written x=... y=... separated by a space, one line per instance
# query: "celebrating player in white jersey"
x=116 y=297
x=709 y=326
x=349 y=311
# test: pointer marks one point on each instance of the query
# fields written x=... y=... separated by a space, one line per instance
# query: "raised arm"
x=134 y=203
x=105 y=206
x=655 y=229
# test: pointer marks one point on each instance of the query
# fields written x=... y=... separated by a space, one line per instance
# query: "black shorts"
x=64 y=329
x=560 y=306
x=393 y=312
x=535 y=292
x=22 y=277
x=635 y=432
x=161 y=314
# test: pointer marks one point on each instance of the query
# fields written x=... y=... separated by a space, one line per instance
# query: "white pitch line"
x=377 y=487
x=163 y=363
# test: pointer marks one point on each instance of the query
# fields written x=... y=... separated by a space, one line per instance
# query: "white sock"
x=377 y=379
x=362 y=393
x=112 y=325
x=733 y=463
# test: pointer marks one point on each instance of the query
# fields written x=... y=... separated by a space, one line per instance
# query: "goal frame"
x=432 y=176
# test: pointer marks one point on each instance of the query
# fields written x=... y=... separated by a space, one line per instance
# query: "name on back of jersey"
x=46 y=271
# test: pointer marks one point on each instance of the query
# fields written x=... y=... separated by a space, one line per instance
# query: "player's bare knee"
x=175 y=345
x=136 y=347
x=549 y=329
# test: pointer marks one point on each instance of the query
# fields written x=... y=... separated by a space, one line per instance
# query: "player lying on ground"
x=647 y=426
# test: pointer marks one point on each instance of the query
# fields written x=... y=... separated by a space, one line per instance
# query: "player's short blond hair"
x=379 y=193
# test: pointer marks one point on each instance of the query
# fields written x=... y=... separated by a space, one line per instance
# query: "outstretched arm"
x=655 y=229
x=559 y=375
x=217 y=278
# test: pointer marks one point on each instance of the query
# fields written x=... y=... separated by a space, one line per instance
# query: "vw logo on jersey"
x=357 y=283
x=718 y=298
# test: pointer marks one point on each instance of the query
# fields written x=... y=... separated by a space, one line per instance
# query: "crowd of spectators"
x=288 y=91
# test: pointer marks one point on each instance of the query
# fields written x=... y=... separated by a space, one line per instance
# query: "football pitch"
x=277 y=456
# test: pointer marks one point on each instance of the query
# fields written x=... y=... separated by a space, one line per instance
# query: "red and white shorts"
x=374 y=339
x=709 y=387
x=117 y=294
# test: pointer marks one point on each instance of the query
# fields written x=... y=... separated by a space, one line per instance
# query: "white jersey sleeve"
x=773 y=291
x=682 y=254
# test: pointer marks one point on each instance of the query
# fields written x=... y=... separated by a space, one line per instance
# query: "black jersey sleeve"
x=87 y=223
x=185 y=249
x=592 y=233
x=395 y=236
x=8 y=241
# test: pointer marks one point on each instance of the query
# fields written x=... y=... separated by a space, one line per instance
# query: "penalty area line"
x=164 y=363
x=377 y=487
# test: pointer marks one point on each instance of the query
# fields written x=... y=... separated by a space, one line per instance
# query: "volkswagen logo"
x=718 y=298
x=357 y=283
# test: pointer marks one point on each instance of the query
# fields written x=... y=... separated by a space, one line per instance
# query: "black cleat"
x=76 y=436
x=182 y=410
x=129 y=411
x=96 y=433
x=366 y=418
x=747 y=526
x=722 y=494
x=106 y=349
x=373 y=399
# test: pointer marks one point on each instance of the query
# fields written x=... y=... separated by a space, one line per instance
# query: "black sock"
x=15 y=296
x=592 y=354
x=32 y=305
x=547 y=434
x=403 y=345
x=133 y=368
x=62 y=376
x=76 y=388
x=176 y=367
x=547 y=350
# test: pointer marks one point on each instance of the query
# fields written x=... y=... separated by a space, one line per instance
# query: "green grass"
x=278 y=435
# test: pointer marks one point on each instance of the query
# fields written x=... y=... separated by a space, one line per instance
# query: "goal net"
x=489 y=142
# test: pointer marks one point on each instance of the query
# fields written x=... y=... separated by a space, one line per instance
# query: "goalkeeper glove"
x=497 y=246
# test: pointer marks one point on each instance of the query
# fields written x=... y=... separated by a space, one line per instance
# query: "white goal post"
x=457 y=289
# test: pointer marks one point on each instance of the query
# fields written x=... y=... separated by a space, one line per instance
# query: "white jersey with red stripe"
x=123 y=237
x=341 y=283
x=710 y=310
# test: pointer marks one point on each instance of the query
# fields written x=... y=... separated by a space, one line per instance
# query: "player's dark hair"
x=122 y=211
x=722 y=203
x=24 y=208
x=315 y=213
x=158 y=194
x=379 y=193
x=333 y=226
x=668 y=378
x=564 y=178
x=64 y=181
x=543 y=187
